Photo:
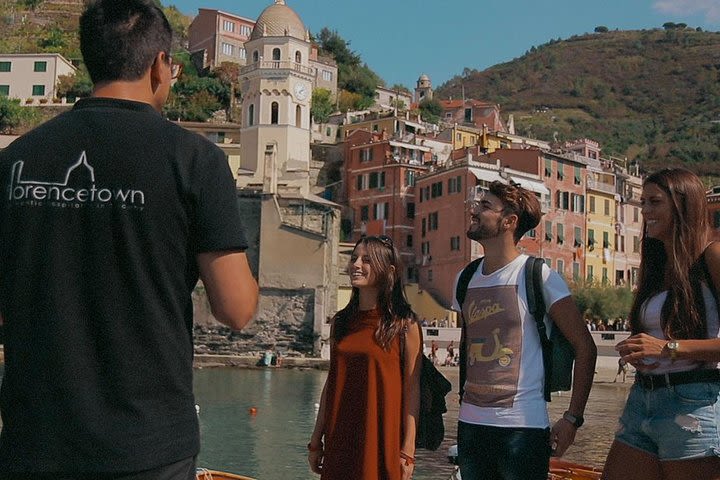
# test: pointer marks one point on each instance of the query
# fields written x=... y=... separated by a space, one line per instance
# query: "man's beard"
x=480 y=231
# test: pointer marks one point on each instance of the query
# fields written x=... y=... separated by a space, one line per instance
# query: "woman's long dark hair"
x=683 y=313
x=394 y=307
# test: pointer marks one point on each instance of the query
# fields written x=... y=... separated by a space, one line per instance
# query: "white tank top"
x=651 y=324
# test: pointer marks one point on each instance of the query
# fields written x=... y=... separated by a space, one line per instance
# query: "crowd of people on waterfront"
x=97 y=310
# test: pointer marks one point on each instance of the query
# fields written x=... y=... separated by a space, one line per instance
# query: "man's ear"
x=511 y=221
x=156 y=70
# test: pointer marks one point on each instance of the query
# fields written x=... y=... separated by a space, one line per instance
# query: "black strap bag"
x=430 y=427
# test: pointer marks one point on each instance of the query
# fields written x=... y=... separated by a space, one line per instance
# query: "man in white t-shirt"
x=504 y=431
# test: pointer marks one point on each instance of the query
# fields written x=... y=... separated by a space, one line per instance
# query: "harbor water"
x=257 y=422
x=271 y=443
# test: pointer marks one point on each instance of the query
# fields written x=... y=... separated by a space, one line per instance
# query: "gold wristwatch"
x=673 y=346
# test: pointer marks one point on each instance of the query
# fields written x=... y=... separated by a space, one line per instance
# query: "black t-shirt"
x=103 y=211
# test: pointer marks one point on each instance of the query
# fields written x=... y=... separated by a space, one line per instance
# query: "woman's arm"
x=411 y=394
x=316 y=447
x=637 y=347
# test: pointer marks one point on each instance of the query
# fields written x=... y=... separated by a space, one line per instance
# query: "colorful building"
x=442 y=219
x=32 y=77
x=380 y=175
x=473 y=113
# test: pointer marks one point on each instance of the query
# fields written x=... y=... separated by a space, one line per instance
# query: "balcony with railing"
x=278 y=65
x=593 y=184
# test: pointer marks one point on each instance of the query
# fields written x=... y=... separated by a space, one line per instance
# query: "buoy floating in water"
x=252 y=411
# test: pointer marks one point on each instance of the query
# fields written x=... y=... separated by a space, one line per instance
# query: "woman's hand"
x=315 y=459
x=407 y=469
x=637 y=349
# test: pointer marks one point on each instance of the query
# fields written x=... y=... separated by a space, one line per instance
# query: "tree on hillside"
x=353 y=75
x=322 y=105
x=180 y=24
x=78 y=85
x=400 y=88
x=197 y=98
x=601 y=29
x=332 y=43
x=12 y=114
x=32 y=4
x=431 y=110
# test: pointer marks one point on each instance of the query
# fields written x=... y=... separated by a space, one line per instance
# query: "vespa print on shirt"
x=493 y=345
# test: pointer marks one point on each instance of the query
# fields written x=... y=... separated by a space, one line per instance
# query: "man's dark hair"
x=120 y=39
x=522 y=203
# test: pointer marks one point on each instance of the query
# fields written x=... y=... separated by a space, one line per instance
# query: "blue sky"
x=401 y=39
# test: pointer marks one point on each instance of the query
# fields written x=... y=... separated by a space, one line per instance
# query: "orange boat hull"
x=205 y=474
x=564 y=470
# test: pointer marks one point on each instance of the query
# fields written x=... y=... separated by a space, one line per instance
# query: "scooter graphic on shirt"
x=500 y=353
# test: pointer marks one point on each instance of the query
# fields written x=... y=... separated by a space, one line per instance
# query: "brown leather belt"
x=651 y=382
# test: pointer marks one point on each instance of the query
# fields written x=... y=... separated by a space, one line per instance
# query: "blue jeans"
x=498 y=453
x=673 y=423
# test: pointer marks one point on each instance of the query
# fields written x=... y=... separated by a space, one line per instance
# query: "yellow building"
x=601 y=220
x=462 y=136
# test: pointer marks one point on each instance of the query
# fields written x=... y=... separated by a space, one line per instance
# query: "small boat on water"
x=205 y=474
x=564 y=470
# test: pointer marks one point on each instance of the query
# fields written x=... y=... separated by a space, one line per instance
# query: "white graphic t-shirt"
x=505 y=375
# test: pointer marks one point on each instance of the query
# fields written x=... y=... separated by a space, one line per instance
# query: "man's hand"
x=562 y=435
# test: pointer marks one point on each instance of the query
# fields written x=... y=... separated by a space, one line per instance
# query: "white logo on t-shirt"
x=77 y=189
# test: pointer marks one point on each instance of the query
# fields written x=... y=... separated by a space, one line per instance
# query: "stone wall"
x=284 y=323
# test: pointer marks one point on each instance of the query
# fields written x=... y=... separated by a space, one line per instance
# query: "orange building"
x=442 y=219
x=380 y=175
x=473 y=113
x=562 y=228
x=220 y=36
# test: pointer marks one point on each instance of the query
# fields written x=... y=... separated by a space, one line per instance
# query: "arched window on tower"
x=274 y=113
x=256 y=56
x=276 y=54
x=251 y=115
x=298 y=57
x=298 y=116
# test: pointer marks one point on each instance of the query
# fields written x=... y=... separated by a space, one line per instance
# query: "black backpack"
x=558 y=354
x=430 y=428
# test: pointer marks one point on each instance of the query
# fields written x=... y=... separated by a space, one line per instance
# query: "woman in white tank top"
x=670 y=428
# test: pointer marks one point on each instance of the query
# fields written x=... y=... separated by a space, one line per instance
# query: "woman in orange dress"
x=365 y=428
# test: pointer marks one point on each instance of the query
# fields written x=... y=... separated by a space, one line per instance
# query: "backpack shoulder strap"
x=464 y=280
x=460 y=292
x=536 y=307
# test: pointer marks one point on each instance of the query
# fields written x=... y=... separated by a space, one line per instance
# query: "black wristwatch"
x=576 y=420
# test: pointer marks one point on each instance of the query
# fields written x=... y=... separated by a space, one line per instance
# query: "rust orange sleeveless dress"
x=363 y=427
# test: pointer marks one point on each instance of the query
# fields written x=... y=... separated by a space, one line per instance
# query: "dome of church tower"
x=279 y=20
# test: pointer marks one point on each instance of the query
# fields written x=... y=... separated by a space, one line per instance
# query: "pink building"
x=473 y=113
x=380 y=174
x=219 y=36
x=442 y=219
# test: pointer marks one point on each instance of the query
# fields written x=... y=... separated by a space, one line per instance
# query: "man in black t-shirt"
x=108 y=215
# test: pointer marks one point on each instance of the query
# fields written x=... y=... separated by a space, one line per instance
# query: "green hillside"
x=651 y=96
